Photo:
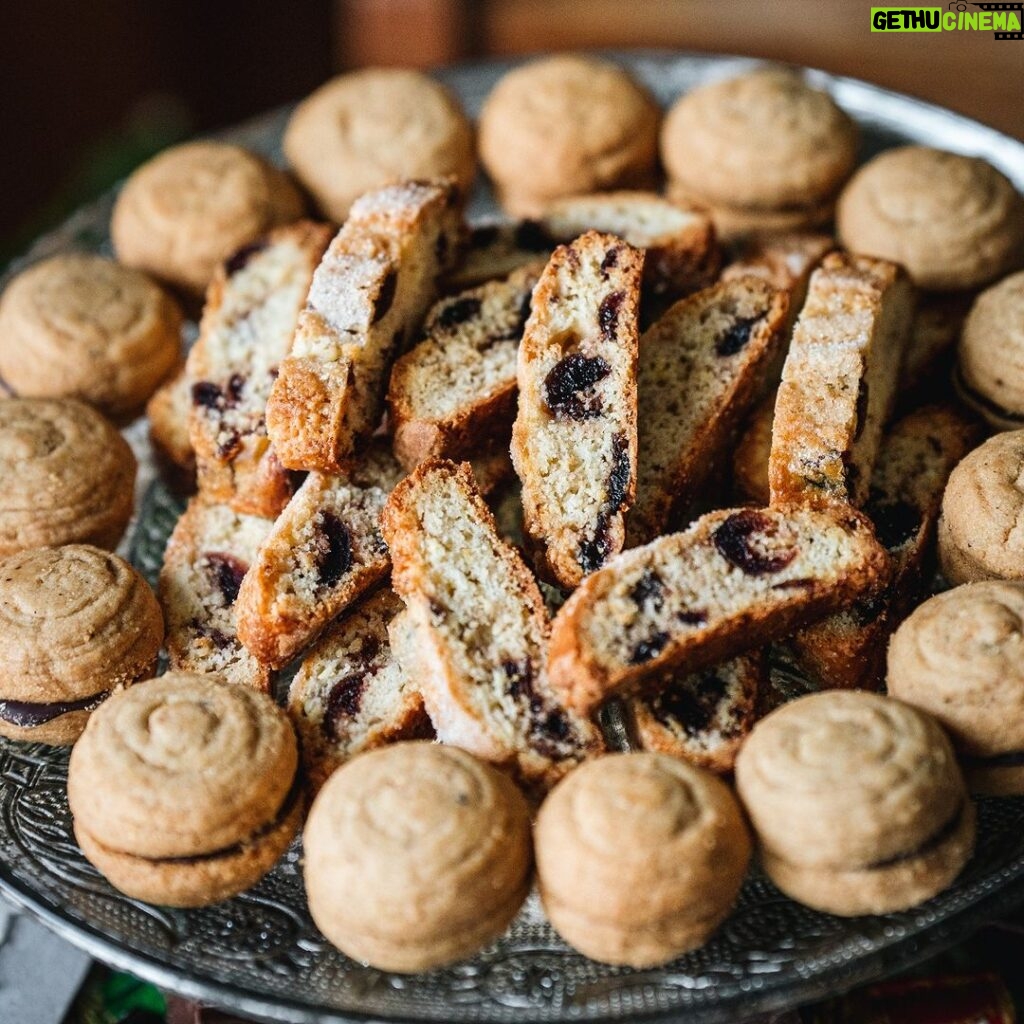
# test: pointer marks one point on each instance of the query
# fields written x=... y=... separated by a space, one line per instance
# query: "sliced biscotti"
x=252 y=306
x=847 y=650
x=368 y=296
x=704 y=717
x=350 y=695
x=207 y=557
x=735 y=579
x=574 y=438
x=475 y=631
x=783 y=260
x=458 y=385
x=752 y=453
x=839 y=381
x=168 y=412
x=681 y=252
x=699 y=371
x=495 y=250
x=324 y=551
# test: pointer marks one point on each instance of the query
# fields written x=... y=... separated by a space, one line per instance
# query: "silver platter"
x=260 y=954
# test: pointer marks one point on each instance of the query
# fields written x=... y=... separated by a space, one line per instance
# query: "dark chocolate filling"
x=1011 y=759
x=984 y=402
x=931 y=843
x=27 y=715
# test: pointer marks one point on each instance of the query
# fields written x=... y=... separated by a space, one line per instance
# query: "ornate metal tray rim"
x=908 y=940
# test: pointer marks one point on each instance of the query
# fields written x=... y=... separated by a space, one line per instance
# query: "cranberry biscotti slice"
x=350 y=694
x=207 y=556
x=839 y=381
x=367 y=299
x=699 y=371
x=847 y=650
x=735 y=579
x=475 y=630
x=323 y=552
x=574 y=438
x=702 y=718
x=168 y=413
x=252 y=306
x=459 y=383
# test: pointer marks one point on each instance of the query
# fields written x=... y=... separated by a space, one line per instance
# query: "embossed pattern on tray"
x=260 y=952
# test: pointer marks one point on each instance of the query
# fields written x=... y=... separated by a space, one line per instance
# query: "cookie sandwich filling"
x=29 y=715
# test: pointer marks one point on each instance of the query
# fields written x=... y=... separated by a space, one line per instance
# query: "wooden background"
x=88 y=89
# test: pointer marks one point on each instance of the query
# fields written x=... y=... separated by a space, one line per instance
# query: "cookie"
x=375 y=283
x=847 y=650
x=190 y=207
x=990 y=356
x=459 y=384
x=416 y=856
x=567 y=125
x=980 y=531
x=80 y=326
x=702 y=718
x=733 y=225
x=734 y=579
x=960 y=657
x=475 y=632
x=76 y=625
x=350 y=694
x=199 y=791
x=322 y=553
x=857 y=801
x=372 y=127
x=762 y=144
x=168 y=413
x=639 y=858
x=252 y=307
x=839 y=381
x=927 y=365
x=208 y=554
x=954 y=222
x=701 y=367
x=68 y=476
x=574 y=440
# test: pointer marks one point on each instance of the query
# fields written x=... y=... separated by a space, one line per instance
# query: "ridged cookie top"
x=415 y=836
x=74 y=621
x=180 y=766
x=67 y=475
x=762 y=140
x=83 y=326
x=953 y=221
x=670 y=827
x=960 y=657
x=848 y=780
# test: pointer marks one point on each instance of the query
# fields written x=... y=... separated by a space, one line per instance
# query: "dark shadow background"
x=90 y=88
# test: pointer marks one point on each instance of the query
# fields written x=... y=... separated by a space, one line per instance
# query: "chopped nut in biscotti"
x=350 y=695
x=734 y=579
x=207 y=557
x=839 y=381
x=252 y=307
x=847 y=650
x=704 y=717
x=459 y=384
x=700 y=369
x=475 y=629
x=368 y=296
x=574 y=439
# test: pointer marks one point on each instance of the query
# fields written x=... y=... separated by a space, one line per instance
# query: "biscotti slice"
x=784 y=261
x=699 y=371
x=702 y=718
x=735 y=579
x=168 y=412
x=252 y=306
x=350 y=695
x=839 y=381
x=681 y=252
x=324 y=551
x=847 y=650
x=459 y=384
x=476 y=629
x=495 y=250
x=574 y=438
x=368 y=296
x=207 y=557
x=752 y=453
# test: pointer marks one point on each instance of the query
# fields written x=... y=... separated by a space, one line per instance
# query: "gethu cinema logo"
x=993 y=17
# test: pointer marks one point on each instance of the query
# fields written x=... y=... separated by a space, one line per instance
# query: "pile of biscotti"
x=476 y=483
